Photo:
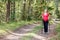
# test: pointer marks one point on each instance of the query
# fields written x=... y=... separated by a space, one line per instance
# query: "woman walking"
x=45 y=18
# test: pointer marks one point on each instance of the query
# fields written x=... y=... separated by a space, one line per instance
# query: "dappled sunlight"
x=3 y=32
x=29 y=19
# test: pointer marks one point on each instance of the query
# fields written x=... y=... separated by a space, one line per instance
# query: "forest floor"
x=19 y=33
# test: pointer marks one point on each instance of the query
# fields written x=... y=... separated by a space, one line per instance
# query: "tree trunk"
x=24 y=11
x=29 y=10
x=8 y=11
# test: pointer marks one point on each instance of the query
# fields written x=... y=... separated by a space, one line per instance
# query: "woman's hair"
x=45 y=10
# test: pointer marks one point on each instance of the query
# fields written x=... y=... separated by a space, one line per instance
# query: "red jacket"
x=45 y=16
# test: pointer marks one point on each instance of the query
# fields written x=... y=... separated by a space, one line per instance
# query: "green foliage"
x=26 y=38
x=57 y=37
x=58 y=14
x=58 y=28
x=32 y=11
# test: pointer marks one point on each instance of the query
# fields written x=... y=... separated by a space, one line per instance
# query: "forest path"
x=24 y=31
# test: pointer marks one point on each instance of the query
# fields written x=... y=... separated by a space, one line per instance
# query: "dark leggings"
x=45 y=26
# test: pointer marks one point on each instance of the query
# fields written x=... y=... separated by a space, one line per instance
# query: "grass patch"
x=26 y=38
x=58 y=28
x=14 y=25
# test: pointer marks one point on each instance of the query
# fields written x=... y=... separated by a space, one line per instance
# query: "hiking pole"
x=49 y=27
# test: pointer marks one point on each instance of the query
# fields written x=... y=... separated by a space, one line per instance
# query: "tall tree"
x=8 y=11
x=29 y=9
x=24 y=10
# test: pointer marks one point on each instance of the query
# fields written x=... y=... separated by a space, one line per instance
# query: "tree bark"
x=29 y=10
x=8 y=11
x=24 y=11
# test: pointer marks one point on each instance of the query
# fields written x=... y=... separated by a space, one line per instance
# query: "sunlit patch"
x=3 y=32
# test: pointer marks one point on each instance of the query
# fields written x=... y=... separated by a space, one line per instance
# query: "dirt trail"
x=23 y=30
x=26 y=28
x=40 y=35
